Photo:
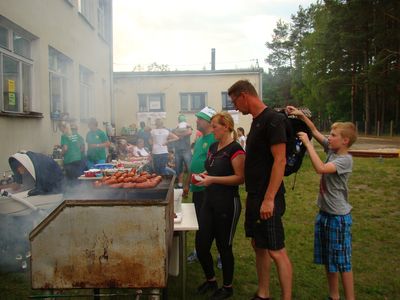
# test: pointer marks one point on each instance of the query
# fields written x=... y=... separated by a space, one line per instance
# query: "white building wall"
x=127 y=86
x=56 y=23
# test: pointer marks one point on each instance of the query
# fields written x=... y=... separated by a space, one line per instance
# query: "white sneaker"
x=192 y=257
x=219 y=262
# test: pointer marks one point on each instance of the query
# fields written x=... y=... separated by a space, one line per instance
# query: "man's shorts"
x=267 y=234
x=332 y=241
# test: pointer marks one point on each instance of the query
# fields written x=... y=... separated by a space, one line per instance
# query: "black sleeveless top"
x=218 y=163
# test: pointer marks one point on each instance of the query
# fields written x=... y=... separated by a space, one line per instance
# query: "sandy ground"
x=377 y=143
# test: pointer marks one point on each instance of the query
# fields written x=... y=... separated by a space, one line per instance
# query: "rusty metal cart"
x=105 y=238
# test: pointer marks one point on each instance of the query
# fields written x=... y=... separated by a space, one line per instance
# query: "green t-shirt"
x=73 y=143
x=96 y=137
x=200 y=151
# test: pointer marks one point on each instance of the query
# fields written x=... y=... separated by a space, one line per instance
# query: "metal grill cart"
x=100 y=238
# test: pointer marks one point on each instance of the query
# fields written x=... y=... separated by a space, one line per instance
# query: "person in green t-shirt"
x=199 y=156
x=98 y=142
x=73 y=146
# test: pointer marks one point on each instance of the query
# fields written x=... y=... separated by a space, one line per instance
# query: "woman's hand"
x=205 y=180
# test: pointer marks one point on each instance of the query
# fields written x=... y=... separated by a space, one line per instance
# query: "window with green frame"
x=16 y=69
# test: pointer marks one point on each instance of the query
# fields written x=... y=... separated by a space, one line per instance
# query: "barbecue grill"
x=105 y=238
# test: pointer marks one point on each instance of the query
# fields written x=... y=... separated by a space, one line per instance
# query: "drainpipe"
x=112 y=67
x=212 y=59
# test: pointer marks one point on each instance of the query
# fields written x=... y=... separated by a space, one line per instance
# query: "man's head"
x=140 y=143
x=122 y=144
x=74 y=127
x=159 y=123
x=204 y=119
x=342 y=134
x=92 y=124
x=142 y=124
x=21 y=164
x=65 y=127
x=242 y=86
x=240 y=92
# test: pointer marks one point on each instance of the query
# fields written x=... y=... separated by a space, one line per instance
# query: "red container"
x=196 y=178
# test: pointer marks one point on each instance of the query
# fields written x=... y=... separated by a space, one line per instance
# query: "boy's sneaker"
x=192 y=257
x=222 y=293
x=207 y=286
x=219 y=262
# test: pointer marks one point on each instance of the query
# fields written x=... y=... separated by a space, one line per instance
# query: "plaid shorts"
x=332 y=241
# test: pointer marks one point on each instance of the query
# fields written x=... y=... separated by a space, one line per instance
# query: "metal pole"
x=391 y=128
x=182 y=263
x=378 y=125
x=96 y=293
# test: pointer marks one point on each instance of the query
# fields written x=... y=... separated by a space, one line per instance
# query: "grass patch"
x=374 y=195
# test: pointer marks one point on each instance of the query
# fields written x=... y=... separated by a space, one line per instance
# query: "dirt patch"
x=376 y=143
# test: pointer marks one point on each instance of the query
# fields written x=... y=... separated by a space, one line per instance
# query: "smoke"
x=19 y=215
x=17 y=220
x=14 y=239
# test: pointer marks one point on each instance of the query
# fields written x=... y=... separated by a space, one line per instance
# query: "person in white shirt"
x=241 y=137
x=139 y=150
x=160 y=137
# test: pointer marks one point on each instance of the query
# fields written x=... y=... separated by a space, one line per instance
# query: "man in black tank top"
x=264 y=171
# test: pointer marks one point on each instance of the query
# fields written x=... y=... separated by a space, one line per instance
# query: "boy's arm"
x=291 y=110
x=319 y=166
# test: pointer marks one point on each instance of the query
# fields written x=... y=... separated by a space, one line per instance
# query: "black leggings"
x=218 y=222
x=198 y=200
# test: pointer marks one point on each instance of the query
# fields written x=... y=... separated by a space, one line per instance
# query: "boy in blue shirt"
x=332 y=237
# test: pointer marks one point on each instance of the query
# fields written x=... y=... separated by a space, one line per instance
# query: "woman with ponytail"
x=221 y=208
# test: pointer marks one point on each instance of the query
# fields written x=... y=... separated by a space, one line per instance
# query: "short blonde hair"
x=224 y=118
x=346 y=130
x=65 y=127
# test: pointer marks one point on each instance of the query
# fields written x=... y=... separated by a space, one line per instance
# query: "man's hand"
x=185 y=192
x=266 y=209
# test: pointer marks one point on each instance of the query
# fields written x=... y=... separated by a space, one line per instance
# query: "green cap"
x=181 y=118
x=206 y=113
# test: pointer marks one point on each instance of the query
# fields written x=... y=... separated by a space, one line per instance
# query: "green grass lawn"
x=374 y=194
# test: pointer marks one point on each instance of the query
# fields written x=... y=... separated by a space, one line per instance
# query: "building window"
x=85 y=7
x=59 y=74
x=103 y=19
x=3 y=37
x=86 y=92
x=151 y=102
x=16 y=68
x=227 y=103
x=21 y=46
x=192 y=101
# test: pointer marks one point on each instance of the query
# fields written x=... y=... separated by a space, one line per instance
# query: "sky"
x=181 y=33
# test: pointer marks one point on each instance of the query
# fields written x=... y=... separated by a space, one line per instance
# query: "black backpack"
x=295 y=149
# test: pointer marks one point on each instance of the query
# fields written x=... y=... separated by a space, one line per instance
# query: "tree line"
x=341 y=59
